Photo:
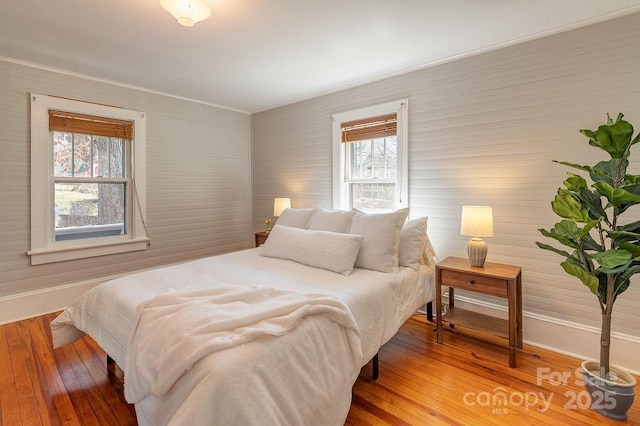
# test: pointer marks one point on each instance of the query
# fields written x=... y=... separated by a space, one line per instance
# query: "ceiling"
x=252 y=55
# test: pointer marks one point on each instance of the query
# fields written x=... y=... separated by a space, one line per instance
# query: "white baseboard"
x=565 y=337
x=31 y=304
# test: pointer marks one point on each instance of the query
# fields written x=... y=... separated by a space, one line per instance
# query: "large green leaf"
x=614 y=138
x=631 y=236
x=615 y=271
x=579 y=272
x=566 y=206
x=634 y=189
x=634 y=249
x=602 y=286
x=622 y=280
x=593 y=202
x=575 y=166
x=576 y=259
x=611 y=258
x=568 y=233
x=616 y=196
x=575 y=182
x=606 y=171
x=553 y=249
x=632 y=179
x=588 y=243
x=622 y=237
x=587 y=228
x=620 y=288
x=567 y=228
x=562 y=240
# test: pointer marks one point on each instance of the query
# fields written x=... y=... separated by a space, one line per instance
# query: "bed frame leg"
x=376 y=370
x=111 y=367
x=430 y=311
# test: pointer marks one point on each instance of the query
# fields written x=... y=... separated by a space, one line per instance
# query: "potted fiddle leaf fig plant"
x=601 y=249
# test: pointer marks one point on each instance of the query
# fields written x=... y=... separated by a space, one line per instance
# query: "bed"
x=302 y=375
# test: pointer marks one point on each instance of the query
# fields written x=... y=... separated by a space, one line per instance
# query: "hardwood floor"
x=464 y=381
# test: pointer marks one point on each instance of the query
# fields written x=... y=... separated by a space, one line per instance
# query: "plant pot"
x=612 y=398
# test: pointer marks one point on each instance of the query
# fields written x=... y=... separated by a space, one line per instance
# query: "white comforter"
x=175 y=331
x=297 y=378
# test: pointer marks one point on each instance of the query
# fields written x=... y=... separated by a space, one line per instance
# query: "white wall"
x=483 y=130
x=198 y=185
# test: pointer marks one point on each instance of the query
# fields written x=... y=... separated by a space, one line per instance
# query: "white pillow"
x=327 y=250
x=381 y=232
x=330 y=220
x=430 y=257
x=295 y=218
x=413 y=239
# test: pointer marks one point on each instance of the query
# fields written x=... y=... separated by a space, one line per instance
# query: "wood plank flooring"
x=464 y=381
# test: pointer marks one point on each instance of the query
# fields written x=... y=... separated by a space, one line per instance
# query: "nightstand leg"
x=519 y=311
x=439 y=305
x=513 y=322
x=512 y=357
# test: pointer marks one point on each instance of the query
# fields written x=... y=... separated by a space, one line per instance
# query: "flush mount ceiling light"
x=187 y=12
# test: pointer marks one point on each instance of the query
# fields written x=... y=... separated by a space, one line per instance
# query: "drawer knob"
x=472 y=282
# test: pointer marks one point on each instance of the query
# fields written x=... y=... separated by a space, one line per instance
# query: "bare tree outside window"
x=89 y=190
x=373 y=167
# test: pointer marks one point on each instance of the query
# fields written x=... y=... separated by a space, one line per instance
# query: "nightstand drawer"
x=475 y=282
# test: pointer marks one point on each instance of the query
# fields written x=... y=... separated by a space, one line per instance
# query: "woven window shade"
x=370 y=128
x=62 y=121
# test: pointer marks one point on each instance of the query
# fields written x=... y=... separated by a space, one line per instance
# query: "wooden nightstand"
x=261 y=237
x=494 y=279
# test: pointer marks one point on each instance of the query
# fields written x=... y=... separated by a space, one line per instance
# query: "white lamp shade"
x=477 y=221
x=187 y=12
x=279 y=204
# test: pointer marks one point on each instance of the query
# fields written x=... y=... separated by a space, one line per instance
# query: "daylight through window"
x=91 y=177
x=369 y=170
x=87 y=180
x=372 y=162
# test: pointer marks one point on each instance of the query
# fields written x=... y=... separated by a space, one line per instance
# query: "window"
x=87 y=180
x=369 y=158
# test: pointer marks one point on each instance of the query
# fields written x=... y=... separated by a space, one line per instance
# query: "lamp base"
x=477 y=251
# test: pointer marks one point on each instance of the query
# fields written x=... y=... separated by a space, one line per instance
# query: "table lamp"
x=477 y=222
x=279 y=205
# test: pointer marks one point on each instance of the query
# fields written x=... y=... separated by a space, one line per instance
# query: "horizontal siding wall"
x=198 y=179
x=482 y=130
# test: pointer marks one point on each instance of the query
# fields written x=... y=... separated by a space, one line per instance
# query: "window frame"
x=44 y=248
x=341 y=185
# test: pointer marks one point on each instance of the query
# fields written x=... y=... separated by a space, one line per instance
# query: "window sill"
x=61 y=254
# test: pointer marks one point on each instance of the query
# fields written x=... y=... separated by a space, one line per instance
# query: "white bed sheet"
x=379 y=302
